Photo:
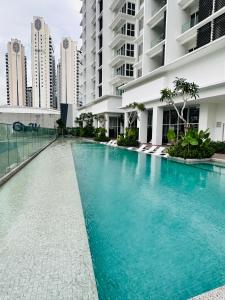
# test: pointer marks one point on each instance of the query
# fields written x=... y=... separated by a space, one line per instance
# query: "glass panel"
x=3 y=149
x=17 y=143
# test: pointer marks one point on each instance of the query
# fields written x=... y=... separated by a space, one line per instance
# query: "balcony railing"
x=186 y=26
x=157 y=40
x=161 y=4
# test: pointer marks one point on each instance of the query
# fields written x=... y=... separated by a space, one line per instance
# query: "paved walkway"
x=44 y=252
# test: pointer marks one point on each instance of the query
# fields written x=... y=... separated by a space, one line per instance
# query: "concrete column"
x=157 y=126
x=107 y=124
x=95 y=123
x=207 y=118
x=125 y=120
x=143 y=126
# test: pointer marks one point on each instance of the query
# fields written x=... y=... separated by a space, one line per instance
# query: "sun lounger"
x=114 y=144
x=160 y=151
x=110 y=142
x=151 y=150
x=142 y=148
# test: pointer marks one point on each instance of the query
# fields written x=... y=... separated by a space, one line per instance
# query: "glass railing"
x=161 y=5
x=157 y=41
x=18 y=143
x=188 y=25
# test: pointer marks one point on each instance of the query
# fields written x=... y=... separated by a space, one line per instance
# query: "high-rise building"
x=16 y=73
x=69 y=73
x=108 y=37
x=135 y=48
x=43 y=65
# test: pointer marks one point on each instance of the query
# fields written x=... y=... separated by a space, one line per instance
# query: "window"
x=131 y=9
x=204 y=35
x=141 y=24
x=130 y=50
x=100 y=21
x=140 y=50
x=219 y=27
x=129 y=70
x=130 y=29
x=100 y=6
x=100 y=76
x=128 y=8
x=194 y=18
x=100 y=91
x=139 y=73
x=100 y=59
x=219 y=4
x=119 y=92
x=100 y=41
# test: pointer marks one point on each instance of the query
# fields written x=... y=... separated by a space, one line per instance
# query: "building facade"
x=29 y=97
x=16 y=74
x=43 y=65
x=101 y=72
x=147 y=45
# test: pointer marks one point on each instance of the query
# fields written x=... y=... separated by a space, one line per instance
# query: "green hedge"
x=130 y=139
x=219 y=147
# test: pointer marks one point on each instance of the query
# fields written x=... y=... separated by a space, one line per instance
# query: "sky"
x=62 y=16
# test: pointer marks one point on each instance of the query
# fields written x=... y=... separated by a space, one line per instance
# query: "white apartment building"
x=68 y=74
x=16 y=74
x=173 y=38
x=43 y=65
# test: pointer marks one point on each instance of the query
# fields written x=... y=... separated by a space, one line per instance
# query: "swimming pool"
x=156 y=228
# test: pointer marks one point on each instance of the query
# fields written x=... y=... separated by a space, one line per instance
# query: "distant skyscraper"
x=16 y=73
x=29 y=97
x=69 y=72
x=43 y=65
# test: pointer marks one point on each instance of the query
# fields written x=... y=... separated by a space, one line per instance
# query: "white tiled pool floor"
x=44 y=251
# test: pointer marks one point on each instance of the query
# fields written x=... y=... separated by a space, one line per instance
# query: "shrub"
x=130 y=139
x=100 y=135
x=75 y=131
x=219 y=147
x=193 y=145
x=87 y=131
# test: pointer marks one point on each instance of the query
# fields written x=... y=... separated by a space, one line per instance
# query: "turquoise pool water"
x=156 y=228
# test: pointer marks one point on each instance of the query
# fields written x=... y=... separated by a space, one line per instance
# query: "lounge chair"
x=142 y=148
x=160 y=151
x=114 y=144
x=132 y=148
x=110 y=142
x=151 y=150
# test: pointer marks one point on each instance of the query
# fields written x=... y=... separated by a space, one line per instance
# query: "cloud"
x=62 y=17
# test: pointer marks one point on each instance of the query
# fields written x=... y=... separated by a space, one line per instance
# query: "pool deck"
x=217 y=294
x=44 y=251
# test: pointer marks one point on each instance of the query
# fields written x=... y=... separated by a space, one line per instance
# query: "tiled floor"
x=44 y=252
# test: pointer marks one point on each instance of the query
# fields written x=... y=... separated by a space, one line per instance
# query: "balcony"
x=186 y=26
x=184 y=4
x=120 y=79
x=119 y=39
x=120 y=19
x=156 y=47
x=121 y=59
x=160 y=5
x=157 y=18
x=115 y=5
